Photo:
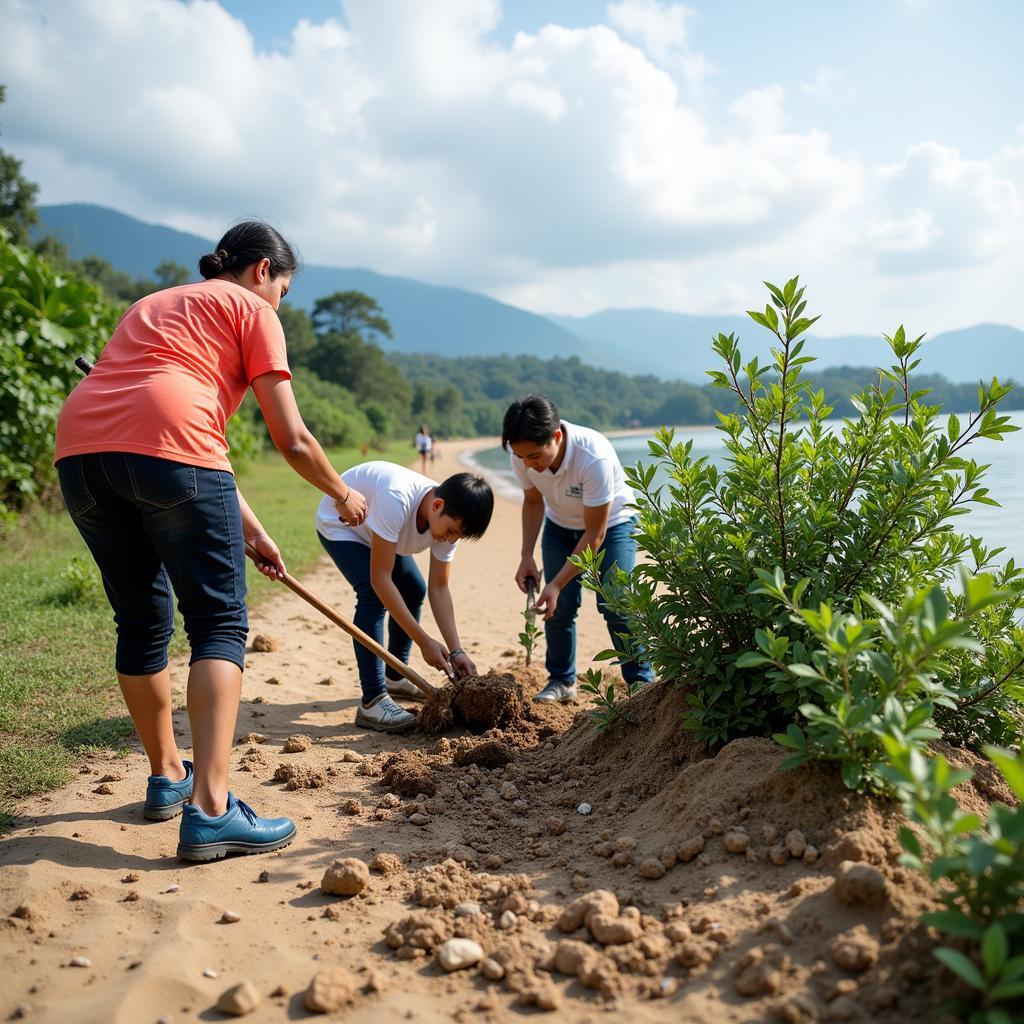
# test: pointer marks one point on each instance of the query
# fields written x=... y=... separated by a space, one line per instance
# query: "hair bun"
x=215 y=263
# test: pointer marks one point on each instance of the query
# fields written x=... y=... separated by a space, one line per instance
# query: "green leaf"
x=953 y=922
x=1012 y=768
x=852 y=774
x=994 y=949
x=963 y=968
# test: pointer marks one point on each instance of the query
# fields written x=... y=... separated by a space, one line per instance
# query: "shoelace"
x=246 y=810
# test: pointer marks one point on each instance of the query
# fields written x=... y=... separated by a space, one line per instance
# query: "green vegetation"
x=58 y=694
x=816 y=588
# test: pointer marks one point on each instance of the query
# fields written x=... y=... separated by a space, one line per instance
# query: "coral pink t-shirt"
x=175 y=370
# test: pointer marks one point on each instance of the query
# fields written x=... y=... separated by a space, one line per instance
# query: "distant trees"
x=18 y=213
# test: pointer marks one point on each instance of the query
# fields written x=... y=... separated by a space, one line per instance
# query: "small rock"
x=507 y=921
x=346 y=877
x=520 y=806
x=352 y=806
x=81 y=892
x=467 y=910
x=584 y=809
x=855 y=950
x=131 y=878
x=736 y=841
x=810 y=855
x=171 y=889
x=859 y=884
x=456 y=954
x=104 y=789
x=296 y=744
x=622 y=858
x=493 y=861
x=264 y=876
x=556 y=825
x=209 y=973
x=418 y=819
x=273 y=681
x=131 y=896
x=583 y=907
x=240 y=999
x=80 y=961
x=651 y=867
x=23 y=912
x=20 y=1010
x=326 y=681
x=230 y=917
x=350 y=756
x=492 y=969
x=508 y=791
x=264 y=643
x=778 y=855
x=613 y=931
x=330 y=990
x=796 y=843
x=389 y=800
x=690 y=848
x=280 y=992
x=386 y=863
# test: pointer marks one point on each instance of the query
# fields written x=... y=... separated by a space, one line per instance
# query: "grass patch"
x=58 y=693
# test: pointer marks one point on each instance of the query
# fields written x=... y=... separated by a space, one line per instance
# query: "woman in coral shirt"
x=142 y=459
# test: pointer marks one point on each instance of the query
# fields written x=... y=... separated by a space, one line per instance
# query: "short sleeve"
x=263 y=345
x=386 y=515
x=598 y=483
x=519 y=468
x=443 y=551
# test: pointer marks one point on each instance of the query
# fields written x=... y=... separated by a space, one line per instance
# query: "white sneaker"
x=384 y=715
x=403 y=688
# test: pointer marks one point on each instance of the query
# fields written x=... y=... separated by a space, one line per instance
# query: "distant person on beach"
x=573 y=487
x=144 y=471
x=408 y=513
x=425 y=446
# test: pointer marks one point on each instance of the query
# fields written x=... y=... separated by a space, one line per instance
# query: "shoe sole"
x=369 y=723
x=215 y=851
x=163 y=813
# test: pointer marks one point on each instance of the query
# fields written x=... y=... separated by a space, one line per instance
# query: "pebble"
x=264 y=876
x=467 y=910
x=556 y=826
x=737 y=841
x=230 y=917
x=296 y=744
x=209 y=973
x=330 y=990
x=171 y=888
x=492 y=969
x=456 y=954
x=507 y=921
x=584 y=809
x=345 y=877
x=104 y=789
x=239 y=1000
x=80 y=961
x=418 y=819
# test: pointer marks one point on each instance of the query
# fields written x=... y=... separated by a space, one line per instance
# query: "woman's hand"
x=435 y=654
x=353 y=509
x=463 y=664
x=527 y=568
x=269 y=562
x=548 y=600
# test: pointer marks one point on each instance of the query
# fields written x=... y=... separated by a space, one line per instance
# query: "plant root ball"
x=493 y=701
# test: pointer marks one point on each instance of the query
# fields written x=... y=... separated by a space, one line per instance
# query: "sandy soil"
x=731 y=892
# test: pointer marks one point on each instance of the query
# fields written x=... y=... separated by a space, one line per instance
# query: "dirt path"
x=149 y=947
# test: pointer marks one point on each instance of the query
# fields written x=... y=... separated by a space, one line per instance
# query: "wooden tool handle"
x=351 y=628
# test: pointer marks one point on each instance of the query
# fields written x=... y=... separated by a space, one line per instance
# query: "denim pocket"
x=161 y=482
x=78 y=498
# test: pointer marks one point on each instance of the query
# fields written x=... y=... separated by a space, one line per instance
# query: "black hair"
x=530 y=418
x=469 y=499
x=247 y=243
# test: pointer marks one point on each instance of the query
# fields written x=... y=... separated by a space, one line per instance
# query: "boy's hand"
x=527 y=568
x=353 y=509
x=548 y=600
x=463 y=664
x=435 y=654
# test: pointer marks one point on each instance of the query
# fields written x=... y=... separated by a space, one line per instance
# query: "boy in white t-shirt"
x=406 y=513
x=573 y=485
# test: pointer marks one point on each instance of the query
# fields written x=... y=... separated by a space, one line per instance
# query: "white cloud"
x=570 y=169
x=828 y=84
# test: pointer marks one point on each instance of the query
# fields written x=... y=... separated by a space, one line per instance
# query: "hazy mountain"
x=424 y=317
x=455 y=322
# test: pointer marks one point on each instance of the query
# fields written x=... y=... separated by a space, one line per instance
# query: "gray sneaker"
x=561 y=693
x=384 y=715
x=403 y=688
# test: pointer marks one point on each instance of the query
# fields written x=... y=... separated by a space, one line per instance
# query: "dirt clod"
x=347 y=877
x=296 y=744
x=330 y=990
x=240 y=999
x=264 y=643
x=860 y=885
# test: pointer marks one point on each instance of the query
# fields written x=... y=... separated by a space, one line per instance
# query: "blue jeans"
x=619 y=548
x=151 y=523
x=353 y=559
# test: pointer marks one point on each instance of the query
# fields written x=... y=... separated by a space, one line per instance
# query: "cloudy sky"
x=564 y=155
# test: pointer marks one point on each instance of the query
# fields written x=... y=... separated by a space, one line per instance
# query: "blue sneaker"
x=237 y=830
x=165 y=799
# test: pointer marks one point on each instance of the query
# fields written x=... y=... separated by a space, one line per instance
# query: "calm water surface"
x=1002 y=527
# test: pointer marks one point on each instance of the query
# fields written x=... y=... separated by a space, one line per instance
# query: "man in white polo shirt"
x=406 y=513
x=573 y=486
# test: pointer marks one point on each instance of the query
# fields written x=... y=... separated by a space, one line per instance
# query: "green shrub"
x=980 y=871
x=81 y=582
x=47 y=318
x=867 y=507
x=331 y=412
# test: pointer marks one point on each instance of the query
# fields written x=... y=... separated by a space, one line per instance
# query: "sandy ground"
x=150 y=957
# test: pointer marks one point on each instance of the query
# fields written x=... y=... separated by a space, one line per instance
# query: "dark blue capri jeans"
x=151 y=524
x=353 y=559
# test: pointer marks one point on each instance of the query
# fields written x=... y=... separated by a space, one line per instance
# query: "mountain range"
x=457 y=322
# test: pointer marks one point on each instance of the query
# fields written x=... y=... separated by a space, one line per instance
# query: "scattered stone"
x=273 y=681
x=860 y=884
x=346 y=877
x=296 y=744
x=810 y=855
x=264 y=643
x=352 y=806
x=418 y=819
x=520 y=806
x=23 y=912
x=622 y=858
x=492 y=970
x=652 y=868
x=230 y=917
x=467 y=910
x=796 y=843
x=690 y=848
x=329 y=990
x=240 y=999
x=778 y=855
x=80 y=961
x=280 y=992
x=584 y=808
x=104 y=789
x=171 y=889
x=20 y=1010
x=613 y=931
x=209 y=973
x=326 y=681
x=493 y=861
x=264 y=876
x=736 y=841
x=677 y=931
x=507 y=921
x=456 y=954
x=386 y=863
x=131 y=896
x=351 y=757
x=556 y=825
x=508 y=791
x=81 y=892
x=576 y=914
x=131 y=878
x=855 y=950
